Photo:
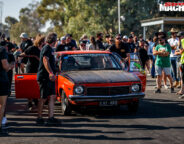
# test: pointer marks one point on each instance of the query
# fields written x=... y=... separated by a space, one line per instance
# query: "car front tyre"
x=65 y=105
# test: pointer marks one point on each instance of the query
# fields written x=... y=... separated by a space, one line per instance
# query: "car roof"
x=83 y=52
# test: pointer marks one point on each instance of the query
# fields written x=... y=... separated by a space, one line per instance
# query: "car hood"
x=100 y=76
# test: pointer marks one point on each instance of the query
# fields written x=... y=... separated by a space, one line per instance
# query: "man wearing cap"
x=69 y=46
x=174 y=43
x=162 y=64
x=26 y=42
x=61 y=46
x=131 y=45
x=125 y=39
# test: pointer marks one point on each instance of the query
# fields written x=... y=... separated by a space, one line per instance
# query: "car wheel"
x=133 y=107
x=65 y=105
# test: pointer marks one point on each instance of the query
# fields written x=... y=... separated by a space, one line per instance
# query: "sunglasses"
x=118 y=38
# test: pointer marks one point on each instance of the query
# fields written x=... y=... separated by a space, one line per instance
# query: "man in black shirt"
x=46 y=79
x=23 y=46
x=99 y=41
x=120 y=48
x=131 y=45
x=69 y=46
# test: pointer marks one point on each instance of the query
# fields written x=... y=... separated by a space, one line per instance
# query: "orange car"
x=90 y=78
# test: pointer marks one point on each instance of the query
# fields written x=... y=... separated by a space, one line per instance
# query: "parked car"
x=90 y=78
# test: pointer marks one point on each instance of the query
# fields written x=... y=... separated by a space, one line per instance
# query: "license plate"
x=108 y=103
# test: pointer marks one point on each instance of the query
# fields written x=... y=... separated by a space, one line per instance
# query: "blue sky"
x=12 y=7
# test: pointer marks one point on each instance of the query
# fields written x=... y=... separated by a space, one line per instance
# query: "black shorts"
x=182 y=72
x=47 y=88
x=4 y=88
x=150 y=57
x=24 y=60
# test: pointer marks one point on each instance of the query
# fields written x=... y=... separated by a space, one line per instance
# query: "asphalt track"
x=160 y=120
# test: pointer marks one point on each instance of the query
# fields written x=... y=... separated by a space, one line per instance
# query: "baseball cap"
x=63 y=38
x=23 y=35
x=125 y=37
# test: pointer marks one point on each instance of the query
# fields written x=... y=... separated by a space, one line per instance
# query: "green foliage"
x=91 y=16
x=29 y=23
x=10 y=21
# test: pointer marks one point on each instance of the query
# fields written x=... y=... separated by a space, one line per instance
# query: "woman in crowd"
x=93 y=45
x=4 y=85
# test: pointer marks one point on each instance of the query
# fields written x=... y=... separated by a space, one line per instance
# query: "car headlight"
x=135 y=88
x=79 y=90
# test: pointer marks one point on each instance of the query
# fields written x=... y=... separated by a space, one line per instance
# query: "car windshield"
x=89 y=62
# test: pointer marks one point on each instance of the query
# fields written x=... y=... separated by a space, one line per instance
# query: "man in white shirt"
x=174 y=43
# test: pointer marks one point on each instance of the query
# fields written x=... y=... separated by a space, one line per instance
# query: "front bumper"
x=78 y=98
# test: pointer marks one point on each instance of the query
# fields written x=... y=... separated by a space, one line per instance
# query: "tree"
x=10 y=21
x=91 y=16
x=29 y=22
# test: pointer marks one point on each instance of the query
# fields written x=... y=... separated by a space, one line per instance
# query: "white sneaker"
x=4 y=120
x=166 y=87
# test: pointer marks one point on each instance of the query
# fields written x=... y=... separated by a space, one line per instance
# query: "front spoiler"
x=78 y=98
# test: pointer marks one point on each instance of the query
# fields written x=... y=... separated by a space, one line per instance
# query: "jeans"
x=174 y=68
x=153 y=68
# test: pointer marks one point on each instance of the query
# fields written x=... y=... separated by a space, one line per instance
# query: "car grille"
x=105 y=91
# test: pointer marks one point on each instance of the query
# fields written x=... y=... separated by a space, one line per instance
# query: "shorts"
x=158 y=70
x=47 y=88
x=150 y=57
x=24 y=60
x=4 y=88
x=182 y=71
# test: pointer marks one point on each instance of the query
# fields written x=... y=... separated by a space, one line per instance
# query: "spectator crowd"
x=162 y=57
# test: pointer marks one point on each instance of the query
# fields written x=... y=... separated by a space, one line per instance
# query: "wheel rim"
x=64 y=104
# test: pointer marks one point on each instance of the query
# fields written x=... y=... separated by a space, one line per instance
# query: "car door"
x=26 y=86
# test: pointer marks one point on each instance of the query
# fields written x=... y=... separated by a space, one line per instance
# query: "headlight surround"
x=136 y=88
x=79 y=90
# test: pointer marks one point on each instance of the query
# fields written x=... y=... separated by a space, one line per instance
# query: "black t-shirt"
x=11 y=58
x=25 y=44
x=3 y=43
x=69 y=46
x=10 y=46
x=74 y=43
x=33 y=63
x=143 y=56
x=42 y=72
x=3 y=73
x=131 y=47
x=122 y=51
x=60 y=47
x=100 y=45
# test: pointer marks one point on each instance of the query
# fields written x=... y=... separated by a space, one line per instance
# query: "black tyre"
x=133 y=107
x=65 y=105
